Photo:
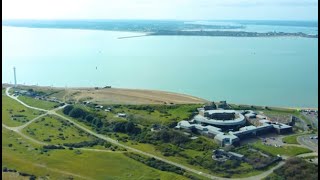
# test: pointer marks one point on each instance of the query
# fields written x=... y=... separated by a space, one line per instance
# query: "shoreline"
x=155 y=91
x=248 y=34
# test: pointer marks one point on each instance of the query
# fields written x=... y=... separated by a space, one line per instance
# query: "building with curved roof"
x=220 y=118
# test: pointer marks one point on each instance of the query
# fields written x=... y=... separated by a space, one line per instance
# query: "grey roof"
x=238 y=121
x=222 y=136
x=248 y=128
x=200 y=127
x=281 y=126
x=213 y=130
x=184 y=124
x=250 y=115
x=236 y=154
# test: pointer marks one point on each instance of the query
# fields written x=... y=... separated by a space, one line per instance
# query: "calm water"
x=262 y=71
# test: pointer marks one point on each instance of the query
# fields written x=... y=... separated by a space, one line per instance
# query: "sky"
x=161 y=9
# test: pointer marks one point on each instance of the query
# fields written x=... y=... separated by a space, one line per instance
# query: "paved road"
x=260 y=176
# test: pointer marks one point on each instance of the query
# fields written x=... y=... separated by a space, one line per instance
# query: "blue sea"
x=281 y=71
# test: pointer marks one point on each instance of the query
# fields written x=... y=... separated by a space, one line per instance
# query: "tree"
x=67 y=109
x=129 y=127
x=77 y=113
x=89 y=118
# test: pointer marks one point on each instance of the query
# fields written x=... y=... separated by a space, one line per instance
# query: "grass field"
x=292 y=139
x=38 y=103
x=20 y=113
x=59 y=131
x=25 y=156
x=161 y=114
x=284 y=150
x=13 y=176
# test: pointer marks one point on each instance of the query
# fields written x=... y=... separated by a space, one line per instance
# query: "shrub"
x=67 y=109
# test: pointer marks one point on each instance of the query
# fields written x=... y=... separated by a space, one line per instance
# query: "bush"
x=67 y=109
x=85 y=144
x=53 y=147
x=77 y=113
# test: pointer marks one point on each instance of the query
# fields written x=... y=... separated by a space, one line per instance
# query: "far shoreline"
x=164 y=92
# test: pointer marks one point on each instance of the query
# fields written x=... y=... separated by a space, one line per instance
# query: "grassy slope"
x=284 y=150
x=13 y=176
x=38 y=103
x=8 y=104
x=293 y=138
x=152 y=149
x=51 y=127
x=95 y=165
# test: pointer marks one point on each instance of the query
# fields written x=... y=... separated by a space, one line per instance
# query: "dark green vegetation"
x=21 y=174
x=152 y=162
x=164 y=141
x=152 y=27
x=254 y=162
x=295 y=169
x=144 y=115
x=15 y=114
x=256 y=158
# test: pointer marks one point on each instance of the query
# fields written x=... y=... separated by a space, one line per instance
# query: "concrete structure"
x=15 y=77
x=211 y=127
x=222 y=105
x=222 y=155
x=123 y=115
x=220 y=118
x=207 y=130
x=226 y=139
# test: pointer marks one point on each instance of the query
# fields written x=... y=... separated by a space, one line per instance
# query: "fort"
x=228 y=127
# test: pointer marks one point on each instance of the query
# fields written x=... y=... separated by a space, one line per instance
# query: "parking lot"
x=271 y=139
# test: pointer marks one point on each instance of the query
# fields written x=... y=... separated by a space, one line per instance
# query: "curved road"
x=307 y=142
x=17 y=129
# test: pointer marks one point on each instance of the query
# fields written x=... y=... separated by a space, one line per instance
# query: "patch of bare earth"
x=131 y=96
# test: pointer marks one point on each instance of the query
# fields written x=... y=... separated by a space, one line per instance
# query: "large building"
x=215 y=123
x=220 y=118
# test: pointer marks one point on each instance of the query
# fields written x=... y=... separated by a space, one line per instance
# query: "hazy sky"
x=161 y=9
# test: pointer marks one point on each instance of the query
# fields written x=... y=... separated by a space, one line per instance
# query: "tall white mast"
x=15 y=78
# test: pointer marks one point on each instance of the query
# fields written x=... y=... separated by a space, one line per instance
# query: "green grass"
x=12 y=107
x=161 y=115
x=38 y=103
x=23 y=156
x=292 y=139
x=56 y=129
x=284 y=150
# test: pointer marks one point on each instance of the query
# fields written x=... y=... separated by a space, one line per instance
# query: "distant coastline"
x=155 y=28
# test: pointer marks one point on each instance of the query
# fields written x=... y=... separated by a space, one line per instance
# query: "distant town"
x=154 y=28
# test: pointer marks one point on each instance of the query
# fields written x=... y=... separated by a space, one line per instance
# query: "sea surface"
x=278 y=71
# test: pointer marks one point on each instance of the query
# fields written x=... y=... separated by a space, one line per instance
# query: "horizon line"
x=164 y=19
